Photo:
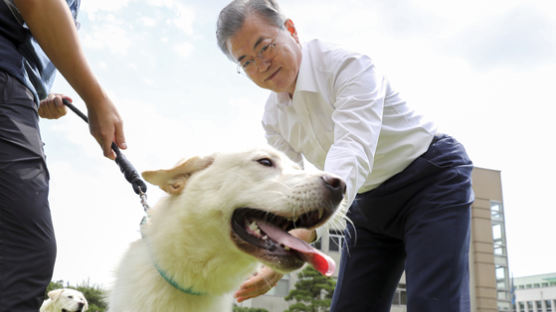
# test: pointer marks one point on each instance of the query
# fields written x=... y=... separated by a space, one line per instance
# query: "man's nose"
x=262 y=63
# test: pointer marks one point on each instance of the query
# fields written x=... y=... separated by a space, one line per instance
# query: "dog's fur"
x=189 y=235
x=65 y=300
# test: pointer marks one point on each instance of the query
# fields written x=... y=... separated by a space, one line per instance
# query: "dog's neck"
x=176 y=285
x=190 y=282
x=161 y=271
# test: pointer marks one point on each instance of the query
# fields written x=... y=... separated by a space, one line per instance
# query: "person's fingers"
x=258 y=284
x=105 y=142
x=107 y=149
x=59 y=107
x=119 y=135
x=52 y=107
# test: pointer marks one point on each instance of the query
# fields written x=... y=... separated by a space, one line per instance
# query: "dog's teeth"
x=321 y=213
x=265 y=237
x=254 y=228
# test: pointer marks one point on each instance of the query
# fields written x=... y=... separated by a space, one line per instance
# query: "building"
x=488 y=257
x=536 y=293
x=490 y=286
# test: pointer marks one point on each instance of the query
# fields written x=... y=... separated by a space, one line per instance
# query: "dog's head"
x=65 y=300
x=253 y=198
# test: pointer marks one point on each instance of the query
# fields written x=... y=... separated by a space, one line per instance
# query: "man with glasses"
x=409 y=189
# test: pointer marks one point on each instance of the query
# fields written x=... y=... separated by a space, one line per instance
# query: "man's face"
x=270 y=56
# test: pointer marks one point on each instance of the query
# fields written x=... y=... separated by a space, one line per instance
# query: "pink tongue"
x=320 y=261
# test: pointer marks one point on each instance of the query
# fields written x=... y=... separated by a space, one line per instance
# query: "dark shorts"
x=417 y=221
x=27 y=242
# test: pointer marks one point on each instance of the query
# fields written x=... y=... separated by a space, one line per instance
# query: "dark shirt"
x=20 y=54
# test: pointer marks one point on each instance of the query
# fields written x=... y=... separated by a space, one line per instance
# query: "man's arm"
x=52 y=25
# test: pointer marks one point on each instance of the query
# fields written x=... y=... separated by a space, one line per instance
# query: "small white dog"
x=65 y=300
x=224 y=213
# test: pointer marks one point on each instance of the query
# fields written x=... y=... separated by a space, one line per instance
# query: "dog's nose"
x=336 y=185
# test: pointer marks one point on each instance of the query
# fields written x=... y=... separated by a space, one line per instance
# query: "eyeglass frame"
x=267 y=47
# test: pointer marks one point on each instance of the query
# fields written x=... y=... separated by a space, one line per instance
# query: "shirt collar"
x=306 y=80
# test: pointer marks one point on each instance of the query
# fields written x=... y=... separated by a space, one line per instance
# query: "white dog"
x=65 y=300
x=223 y=214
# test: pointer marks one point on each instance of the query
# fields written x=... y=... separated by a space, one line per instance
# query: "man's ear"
x=290 y=27
x=173 y=180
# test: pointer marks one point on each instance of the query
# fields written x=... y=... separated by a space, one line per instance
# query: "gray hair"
x=231 y=18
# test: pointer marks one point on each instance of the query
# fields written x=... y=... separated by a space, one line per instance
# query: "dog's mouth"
x=265 y=236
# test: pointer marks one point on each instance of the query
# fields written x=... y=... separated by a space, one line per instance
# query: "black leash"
x=131 y=175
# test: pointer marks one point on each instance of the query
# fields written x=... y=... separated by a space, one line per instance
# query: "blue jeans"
x=27 y=242
x=417 y=221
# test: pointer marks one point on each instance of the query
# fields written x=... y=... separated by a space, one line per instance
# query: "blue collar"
x=163 y=273
x=177 y=286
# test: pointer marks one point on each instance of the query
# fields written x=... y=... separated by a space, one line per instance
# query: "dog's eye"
x=71 y=297
x=265 y=162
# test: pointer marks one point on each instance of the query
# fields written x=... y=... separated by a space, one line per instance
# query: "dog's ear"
x=53 y=294
x=173 y=181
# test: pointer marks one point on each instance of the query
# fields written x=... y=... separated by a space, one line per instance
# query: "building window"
x=317 y=244
x=500 y=256
x=548 y=305
x=496 y=232
x=530 y=306
x=496 y=210
x=539 y=305
x=521 y=307
x=335 y=240
x=400 y=296
x=282 y=288
x=501 y=273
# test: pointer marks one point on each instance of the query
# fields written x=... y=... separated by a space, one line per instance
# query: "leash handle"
x=130 y=174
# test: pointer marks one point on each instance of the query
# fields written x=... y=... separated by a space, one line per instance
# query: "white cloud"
x=107 y=36
x=185 y=17
x=148 y=21
x=91 y=8
x=183 y=49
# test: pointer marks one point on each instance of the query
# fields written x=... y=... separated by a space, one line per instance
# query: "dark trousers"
x=417 y=221
x=27 y=243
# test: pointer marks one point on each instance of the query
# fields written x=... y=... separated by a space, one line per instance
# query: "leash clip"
x=144 y=203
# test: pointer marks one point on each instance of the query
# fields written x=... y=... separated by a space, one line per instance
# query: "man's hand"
x=52 y=107
x=258 y=284
x=266 y=278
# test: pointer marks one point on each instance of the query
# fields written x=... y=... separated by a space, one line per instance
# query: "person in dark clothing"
x=36 y=38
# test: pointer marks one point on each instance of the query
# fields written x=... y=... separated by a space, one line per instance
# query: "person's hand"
x=258 y=284
x=52 y=107
x=106 y=126
x=266 y=278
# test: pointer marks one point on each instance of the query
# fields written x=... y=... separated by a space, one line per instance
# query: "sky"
x=484 y=71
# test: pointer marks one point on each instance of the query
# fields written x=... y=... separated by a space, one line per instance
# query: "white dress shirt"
x=345 y=118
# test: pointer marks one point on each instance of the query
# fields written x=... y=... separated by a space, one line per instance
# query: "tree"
x=94 y=294
x=312 y=292
x=243 y=309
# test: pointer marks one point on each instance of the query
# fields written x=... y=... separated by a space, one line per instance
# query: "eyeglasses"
x=265 y=52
